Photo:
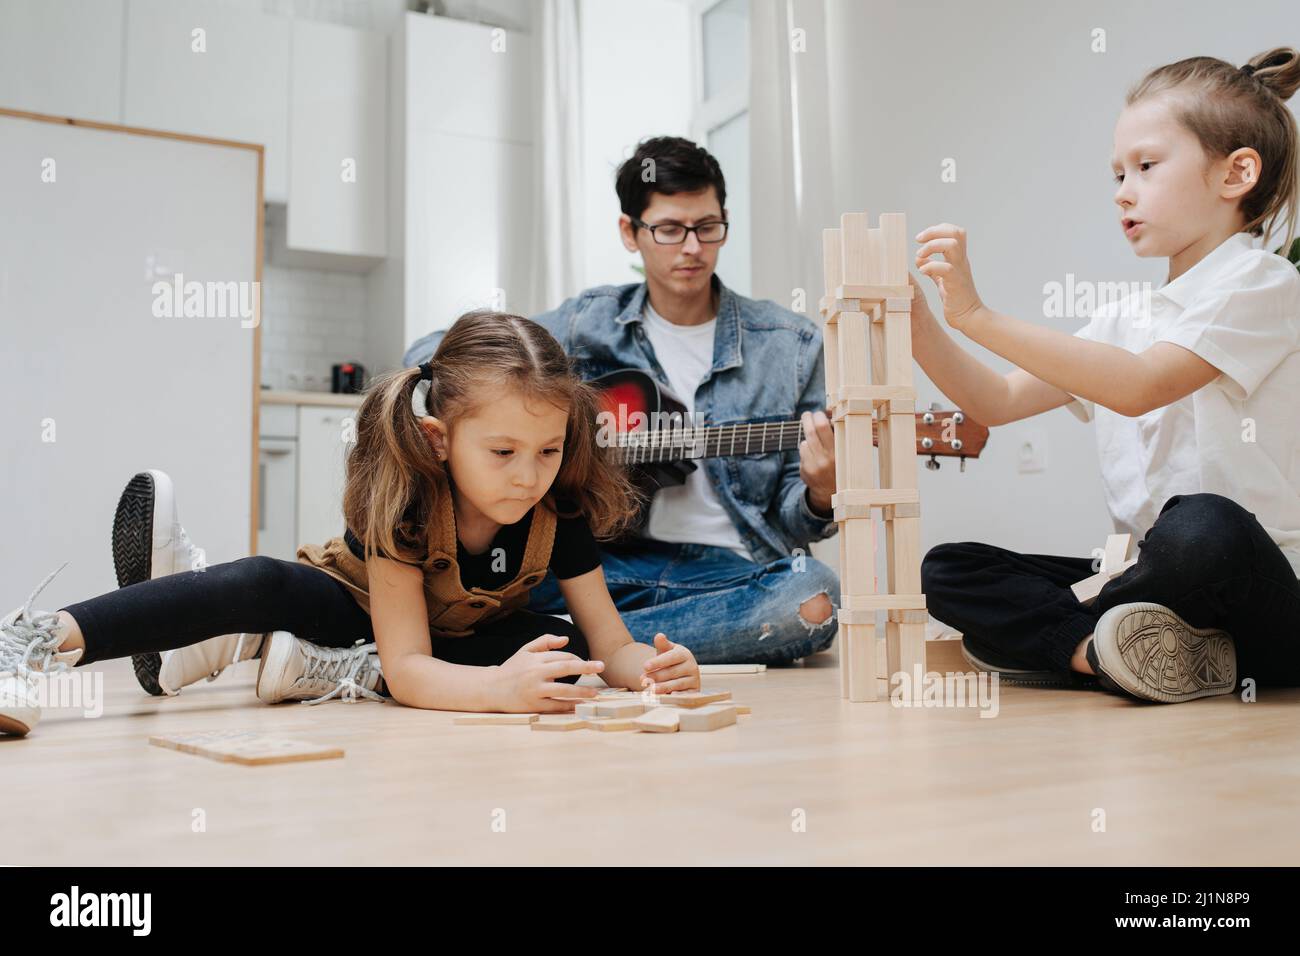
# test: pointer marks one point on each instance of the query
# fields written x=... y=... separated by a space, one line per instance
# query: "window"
x=720 y=31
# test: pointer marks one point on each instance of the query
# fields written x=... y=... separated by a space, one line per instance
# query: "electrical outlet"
x=1032 y=453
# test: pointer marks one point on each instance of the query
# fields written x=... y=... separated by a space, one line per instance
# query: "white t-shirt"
x=1239 y=309
x=690 y=513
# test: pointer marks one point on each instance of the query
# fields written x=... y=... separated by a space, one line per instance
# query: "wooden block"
x=1117 y=549
x=1088 y=589
x=585 y=710
x=860 y=470
x=707 y=718
x=893 y=230
x=858 y=570
x=903 y=538
x=912 y=510
x=862 y=672
x=875 y=257
x=855 y=258
x=831 y=354
x=858 y=496
x=832 y=264
x=847 y=616
x=871 y=293
x=493 y=720
x=742 y=709
x=559 y=723
x=619 y=708
x=881 y=602
x=908 y=615
x=905 y=648
x=661 y=720
x=855 y=370
x=875 y=394
x=693 y=698
x=246 y=747
x=611 y=723
x=898 y=348
x=733 y=668
x=944 y=656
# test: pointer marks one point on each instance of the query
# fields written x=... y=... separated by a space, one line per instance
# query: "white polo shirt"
x=1238 y=436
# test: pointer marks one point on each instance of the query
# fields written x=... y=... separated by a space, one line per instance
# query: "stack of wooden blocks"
x=868 y=346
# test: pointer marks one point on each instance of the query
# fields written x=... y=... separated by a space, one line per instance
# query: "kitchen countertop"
x=273 y=396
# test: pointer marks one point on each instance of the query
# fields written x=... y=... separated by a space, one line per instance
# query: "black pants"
x=259 y=594
x=1206 y=558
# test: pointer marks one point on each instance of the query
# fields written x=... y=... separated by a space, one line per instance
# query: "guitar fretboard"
x=668 y=444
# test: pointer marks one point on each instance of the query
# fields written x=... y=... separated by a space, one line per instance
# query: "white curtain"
x=790 y=150
x=557 y=156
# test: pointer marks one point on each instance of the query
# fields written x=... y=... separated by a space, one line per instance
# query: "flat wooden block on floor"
x=944 y=656
x=246 y=747
x=732 y=668
x=560 y=723
x=611 y=723
x=712 y=717
x=693 y=698
x=585 y=710
x=661 y=720
x=618 y=708
x=492 y=720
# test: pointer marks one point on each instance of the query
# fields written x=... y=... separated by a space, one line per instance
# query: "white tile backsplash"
x=311 y=320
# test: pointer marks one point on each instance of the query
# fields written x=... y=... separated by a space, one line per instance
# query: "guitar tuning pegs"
x=958 y=418
x=963 y=464
x=928 y=418
x=927 y=443
x=933 y=463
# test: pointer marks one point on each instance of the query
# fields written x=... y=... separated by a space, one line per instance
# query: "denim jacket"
x=767 y=366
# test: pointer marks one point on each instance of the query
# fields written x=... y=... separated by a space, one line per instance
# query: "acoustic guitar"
x=644 y=426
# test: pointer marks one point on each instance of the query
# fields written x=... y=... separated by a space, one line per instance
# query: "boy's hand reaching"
x=673 y=668
x=952 y=273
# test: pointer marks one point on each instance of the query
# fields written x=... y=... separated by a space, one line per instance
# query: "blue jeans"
x=724 y=608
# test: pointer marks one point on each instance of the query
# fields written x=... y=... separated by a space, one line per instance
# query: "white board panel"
x=88 y=363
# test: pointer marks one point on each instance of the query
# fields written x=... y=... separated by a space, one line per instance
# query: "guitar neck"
x=714 y=441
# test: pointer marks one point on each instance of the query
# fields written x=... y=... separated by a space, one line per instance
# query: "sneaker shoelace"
x=29 y=642
x=340 y=666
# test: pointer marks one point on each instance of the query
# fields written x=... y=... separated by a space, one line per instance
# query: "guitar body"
x=633 y=396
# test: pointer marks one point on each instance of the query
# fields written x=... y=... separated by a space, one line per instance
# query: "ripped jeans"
x=724 y=608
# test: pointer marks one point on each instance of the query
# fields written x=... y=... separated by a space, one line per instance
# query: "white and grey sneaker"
x=29 y=648
x=149 y=542
x=206 y=660
x=295 y=669
x=1147 y=651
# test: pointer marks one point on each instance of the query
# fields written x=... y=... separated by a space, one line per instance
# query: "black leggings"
x=259 y=594
x=1206 y=558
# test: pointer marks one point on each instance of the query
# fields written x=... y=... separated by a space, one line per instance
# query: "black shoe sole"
x=132 y=560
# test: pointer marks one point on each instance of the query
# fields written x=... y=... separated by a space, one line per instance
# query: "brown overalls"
x=453 y=611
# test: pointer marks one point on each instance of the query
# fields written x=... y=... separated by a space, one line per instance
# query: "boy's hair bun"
x=1278 y=71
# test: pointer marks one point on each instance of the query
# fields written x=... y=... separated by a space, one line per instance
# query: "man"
x=721 y=564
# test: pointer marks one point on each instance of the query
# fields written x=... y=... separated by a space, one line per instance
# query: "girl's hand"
x=952 y=273
x=922 y=317
x=529 y=680
x=672 y=669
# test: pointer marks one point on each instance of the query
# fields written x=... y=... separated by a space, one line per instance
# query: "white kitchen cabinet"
x=322 y=457
x=62 y=57
x=338 y=175
x=236 y=88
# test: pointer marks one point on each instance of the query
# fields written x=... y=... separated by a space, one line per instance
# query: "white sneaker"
x=294 y=669
x=149 y=542
x=29 y=646
x=206 y=660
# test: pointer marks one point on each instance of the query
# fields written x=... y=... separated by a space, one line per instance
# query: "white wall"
x=1012 y=92
x=625 y=101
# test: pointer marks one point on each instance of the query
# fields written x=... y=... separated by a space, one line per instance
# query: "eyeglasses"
x=674 y=233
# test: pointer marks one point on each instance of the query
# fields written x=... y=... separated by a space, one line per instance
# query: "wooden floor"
x=1209 y=782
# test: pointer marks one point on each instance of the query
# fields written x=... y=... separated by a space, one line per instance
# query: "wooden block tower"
x=868 y=345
